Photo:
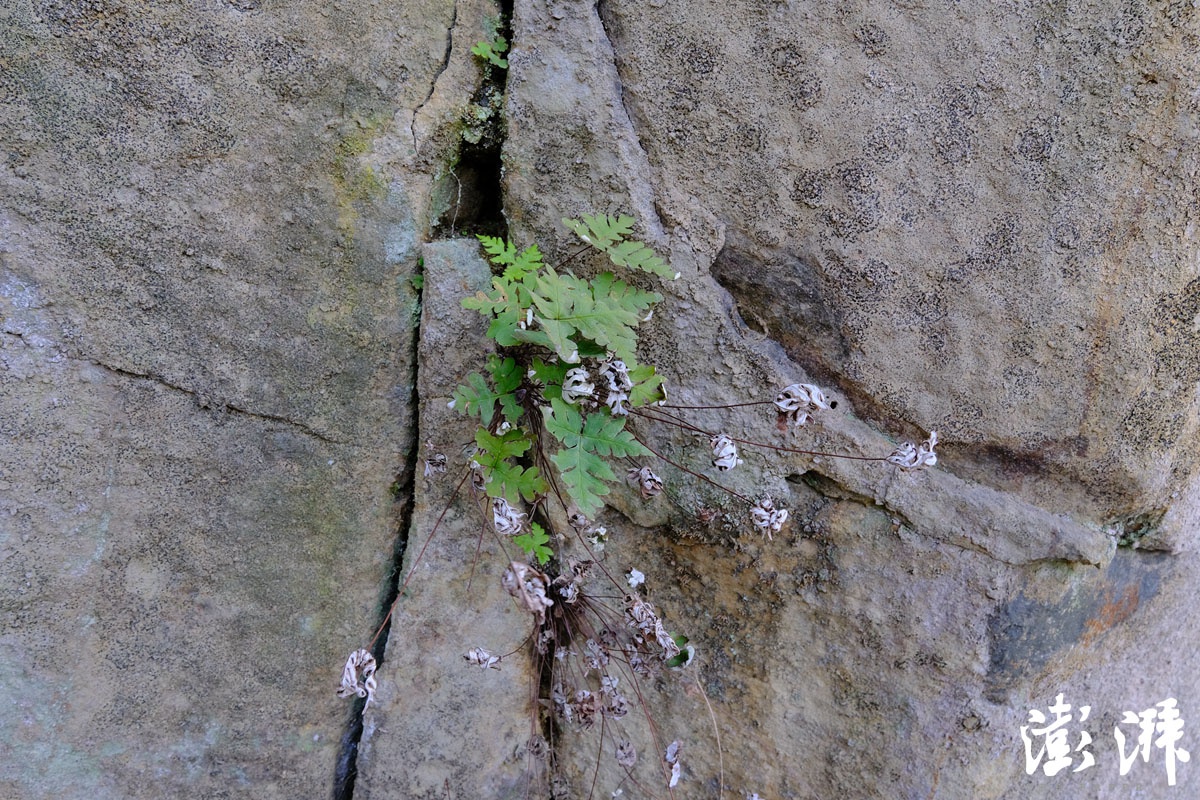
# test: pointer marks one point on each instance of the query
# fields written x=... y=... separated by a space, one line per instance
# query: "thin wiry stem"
x=693 y=473
x=727 y=405
x=717 y=733
x=672 y=420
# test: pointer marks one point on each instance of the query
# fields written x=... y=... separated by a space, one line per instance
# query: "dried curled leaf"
x=626 y=754
x=528 y=585
x=766 y=517
x=725 y=453
x=615 y=374
x=577 y=385
x=672 y=758
x=482 y=658
x=507 y=520
x=358 y=676
x=649 y=484
x=798 y=401
x=640 y=616
x=911 y=456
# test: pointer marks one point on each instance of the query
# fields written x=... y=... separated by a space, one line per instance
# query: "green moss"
x=356 y=183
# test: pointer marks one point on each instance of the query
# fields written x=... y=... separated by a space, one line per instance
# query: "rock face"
x=205 y=383
x=982 y=247
x=215 y=413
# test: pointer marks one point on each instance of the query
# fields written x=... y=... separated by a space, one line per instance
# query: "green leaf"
x=600 y=230
x=507 y=377
x=608 y=234
x=598 y=433
x=506 y=304
x=495 y=449
x=584 y=475
x=502 y=477
x=504 y=253
x=604 y=311
x=490 y=51
x=551 y=376
x=512 y=482
x=583 y=471
x=647 y=386
x=534 y=543
x=477 y=397
x=636 y=255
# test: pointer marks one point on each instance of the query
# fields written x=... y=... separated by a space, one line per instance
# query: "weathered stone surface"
x=979 y=222
x=937 y=214
x=969 y=218
x=205 y=382
x=441 y=723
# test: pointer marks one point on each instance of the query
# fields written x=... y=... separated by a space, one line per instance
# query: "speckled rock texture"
x=976 y=220
x=230 y=260
x=440 y=724
x=206 y=372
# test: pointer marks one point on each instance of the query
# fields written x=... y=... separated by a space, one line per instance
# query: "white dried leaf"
x=766 y=517
x=798 y=401
x=478 y=481
x=577 y=385
x=529 y=587
x=596 y=537
x=725 y=453
x=649 y=484
x=482 y=658
x=615 y=374
x=672 y=758
x=505 y=519
x=911 y=456
x=435 y=464
x=358 y=676
x=616 y=403
x=597 y=657
x=626 y=754
x=665 y=641
x=569 y=593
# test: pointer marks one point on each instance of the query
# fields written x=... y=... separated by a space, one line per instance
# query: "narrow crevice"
x=436 y=76
x=403 y=491
x=473 y=185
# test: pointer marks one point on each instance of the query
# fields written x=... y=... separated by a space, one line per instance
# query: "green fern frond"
x=479 y=397
x=647 y=386
x=503 y=477
x=604 y=310
x=601 y=230
x=506 y=306
x=608 y=234
x=585 y=440
x=534 y=543
x=504 y=253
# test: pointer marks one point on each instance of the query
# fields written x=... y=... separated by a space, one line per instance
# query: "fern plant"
x=553 y=323
x=491 y=51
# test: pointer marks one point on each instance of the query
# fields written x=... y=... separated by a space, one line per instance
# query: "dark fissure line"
x=483 y=199
x=404 y=494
